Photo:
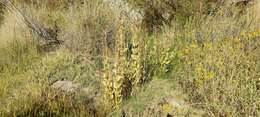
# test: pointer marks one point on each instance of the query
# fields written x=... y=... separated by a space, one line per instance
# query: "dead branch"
x=49 y=35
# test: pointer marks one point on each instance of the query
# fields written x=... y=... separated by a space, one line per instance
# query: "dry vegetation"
x=158 y=58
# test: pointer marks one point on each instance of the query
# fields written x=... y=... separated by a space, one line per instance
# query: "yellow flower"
x=203 y=75
x=167 y=108
x=249 y=36
x=209 y=45
x=255 y=34
x=243 y=34
x=186 y=51
x=210 y=75
x=189 y=62
x=193 y=45
x=237 y=40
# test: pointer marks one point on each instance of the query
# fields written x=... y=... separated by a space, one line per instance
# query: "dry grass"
x=214 y=60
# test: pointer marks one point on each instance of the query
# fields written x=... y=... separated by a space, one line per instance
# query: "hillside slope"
x=203 y=63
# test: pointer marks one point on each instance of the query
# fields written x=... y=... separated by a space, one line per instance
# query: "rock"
x=120 y=6
x=67 y=86
x=92 y=93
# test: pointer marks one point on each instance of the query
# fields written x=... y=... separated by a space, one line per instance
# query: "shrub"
x=159 y=12
x=220 y=70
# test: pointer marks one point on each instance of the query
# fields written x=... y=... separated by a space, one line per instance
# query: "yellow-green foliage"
x=117 y=85
x=129 y=69
x=222 y=73
x=120 y=64
x=137 y=58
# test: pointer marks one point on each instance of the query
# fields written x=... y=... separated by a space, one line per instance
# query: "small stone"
x=67 y=86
